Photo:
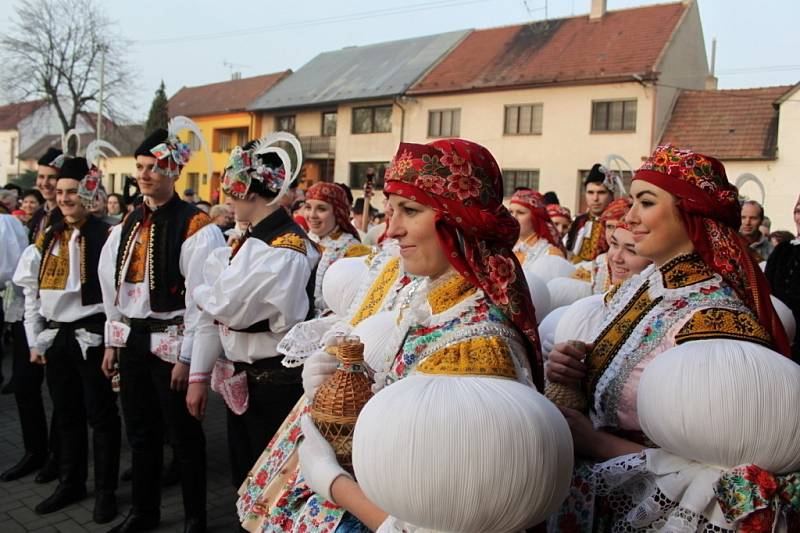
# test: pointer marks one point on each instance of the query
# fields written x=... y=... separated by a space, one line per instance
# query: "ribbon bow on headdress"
x=245 y=166
x=93 y=181
x=173 y=154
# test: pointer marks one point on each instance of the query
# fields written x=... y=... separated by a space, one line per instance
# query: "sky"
x=195 y=42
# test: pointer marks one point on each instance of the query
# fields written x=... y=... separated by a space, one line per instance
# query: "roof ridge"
x=737 y=89
x=248 y=78
x=570 y=17
x=382 y=43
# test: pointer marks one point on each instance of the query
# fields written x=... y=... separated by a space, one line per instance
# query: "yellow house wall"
x=9 y=167
x=566 y=144
x=114 y=169
x=199 y=162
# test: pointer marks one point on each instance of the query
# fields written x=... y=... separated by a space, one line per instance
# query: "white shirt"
x=260 y=283
x=13 y=241
x=52 y=304
x=132 y=300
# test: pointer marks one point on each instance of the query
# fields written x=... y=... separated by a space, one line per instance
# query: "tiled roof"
x=568 y=50
x=125 y=138
x=727 y=124
x=11 y=114
x=380 y=70
x=223 y=97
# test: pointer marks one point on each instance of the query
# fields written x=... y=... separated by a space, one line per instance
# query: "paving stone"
x=18 y=498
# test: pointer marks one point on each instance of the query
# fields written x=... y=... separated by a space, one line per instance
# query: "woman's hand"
x=316 y=370
x=318 y=463
x=591 y=442
x=565 y=363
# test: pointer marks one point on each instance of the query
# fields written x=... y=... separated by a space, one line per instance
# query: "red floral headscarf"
x=709 y=206
x=461 y=181
x=555 y=210
x=542 y=225
x=336 y=197
x=616 y=210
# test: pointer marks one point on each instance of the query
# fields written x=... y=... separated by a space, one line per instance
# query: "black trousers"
x=270 y=401
x=27 y=380
x=146 y=398
x=81 y=393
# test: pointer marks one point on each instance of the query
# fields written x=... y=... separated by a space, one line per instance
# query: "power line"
x=399 y=10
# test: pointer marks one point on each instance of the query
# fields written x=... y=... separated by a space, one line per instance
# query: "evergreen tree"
x=159 y=114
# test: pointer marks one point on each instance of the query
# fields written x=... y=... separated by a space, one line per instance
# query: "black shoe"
x=29 y=463
x=63 y=496
x=49 y=471
x=172 y=475
x=105 y=506
x=127 y=475
x=136 y=522
x=8 y=388
x=194 y=525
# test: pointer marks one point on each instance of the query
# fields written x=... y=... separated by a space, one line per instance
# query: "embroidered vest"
x=170 y=225
x=93 y=235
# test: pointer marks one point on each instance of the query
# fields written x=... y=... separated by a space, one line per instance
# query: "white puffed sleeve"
x=207 y=345
x=27 y=276
x=13 y=241
x=261 y=283
x=194 y=252
x=105 y=270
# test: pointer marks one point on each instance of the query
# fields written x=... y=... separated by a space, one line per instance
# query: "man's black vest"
x=93 y=235
x=169 y=228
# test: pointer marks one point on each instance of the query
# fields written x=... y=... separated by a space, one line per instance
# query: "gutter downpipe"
x=402 y=118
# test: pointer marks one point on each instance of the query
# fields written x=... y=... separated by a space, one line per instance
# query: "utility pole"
x=99 y=128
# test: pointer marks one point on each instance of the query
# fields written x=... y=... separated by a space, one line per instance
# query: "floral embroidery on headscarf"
x=334 y=195
x=462 y=182
x=710 y=209
x=616 y=210
x=555 y=210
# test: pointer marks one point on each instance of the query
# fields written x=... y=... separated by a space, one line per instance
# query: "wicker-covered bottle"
x=565 y=395
x=338 y=401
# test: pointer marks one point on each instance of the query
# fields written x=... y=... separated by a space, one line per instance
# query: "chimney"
x=711 y=79
x=598 y=9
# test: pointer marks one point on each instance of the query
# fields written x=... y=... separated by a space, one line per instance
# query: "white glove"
x=316 y=370
x=318 y=463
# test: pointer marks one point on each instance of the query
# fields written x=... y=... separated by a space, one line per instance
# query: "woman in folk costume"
x=454 y=304
x=561 y=218
x=580 y=317
x=703 y=285
x=328 y=215
x=598 y=272
x=537 y=234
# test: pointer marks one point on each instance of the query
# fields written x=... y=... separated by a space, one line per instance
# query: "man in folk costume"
x=150 y=265
x=48 y=167
x=586 y=239
x=255 y=292
x=64 y=322
x=27 y=380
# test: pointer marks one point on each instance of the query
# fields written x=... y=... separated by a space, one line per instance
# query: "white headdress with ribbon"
x=91 y=184
x=614 y=168
x=245 y=166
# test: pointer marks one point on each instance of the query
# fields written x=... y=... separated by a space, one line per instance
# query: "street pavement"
x=19 y=498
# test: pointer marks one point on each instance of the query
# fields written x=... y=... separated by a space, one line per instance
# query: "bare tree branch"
x=53 y=52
